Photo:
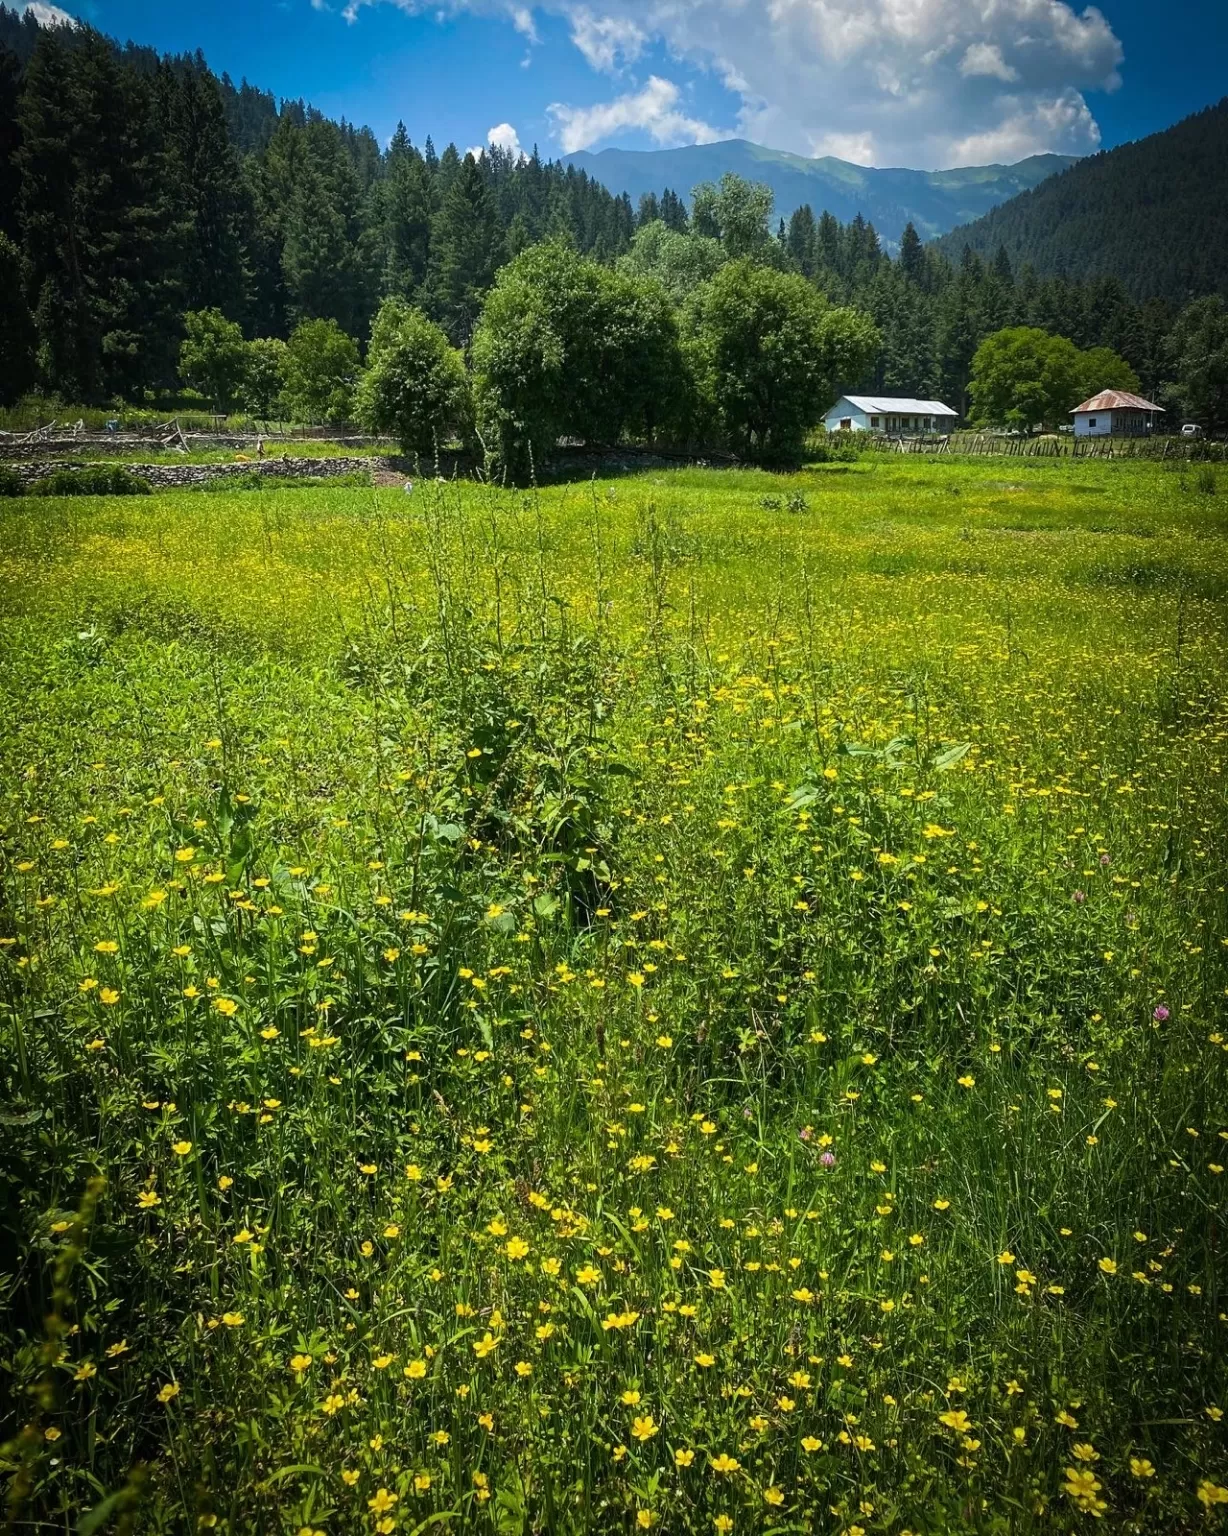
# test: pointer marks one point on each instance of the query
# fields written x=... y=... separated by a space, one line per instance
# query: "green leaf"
x=951 y=756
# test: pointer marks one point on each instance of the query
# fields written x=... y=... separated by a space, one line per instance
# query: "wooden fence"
x=1159 y=449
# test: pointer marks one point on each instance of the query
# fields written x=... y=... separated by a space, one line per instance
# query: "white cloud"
x=604 y=40
x=887 y=82
x=522 y=20
x=501 y=136
x=1030 y=128
x=986 y=59
x=857 y=147
x=47 y=15
x=653 y=109
x=504 y=136
x=901 y=82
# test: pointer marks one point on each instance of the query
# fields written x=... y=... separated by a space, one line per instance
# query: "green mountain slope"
x=935 y=201
x=1153 y=214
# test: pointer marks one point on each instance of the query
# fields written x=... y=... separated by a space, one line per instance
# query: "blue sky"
x=904 y=82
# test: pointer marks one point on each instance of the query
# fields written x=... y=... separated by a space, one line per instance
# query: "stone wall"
x=174 y=476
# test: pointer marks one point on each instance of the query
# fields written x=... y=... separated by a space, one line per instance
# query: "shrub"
x=834 y=450
x=97 y=480
x=11 y=483
x=416 y=387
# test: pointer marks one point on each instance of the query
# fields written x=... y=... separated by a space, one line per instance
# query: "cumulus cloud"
x=898 y=82
x=654 y=109
x=47 y=15
x=1030 y=128
x=986 y=59
x=502 y=136
x=857 y=147
x=605 y=41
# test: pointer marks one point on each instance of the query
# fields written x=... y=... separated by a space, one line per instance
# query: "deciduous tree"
x=768 y=355
x=415 y=386
x=213 y=356
x=320 y=372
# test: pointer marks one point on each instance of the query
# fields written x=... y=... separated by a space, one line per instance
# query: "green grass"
x=619 y=1007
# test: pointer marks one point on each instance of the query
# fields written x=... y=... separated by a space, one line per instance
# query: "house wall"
x=863 y=422
x=1111 y=424
x=845 y=412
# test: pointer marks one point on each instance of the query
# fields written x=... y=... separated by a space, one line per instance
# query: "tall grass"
x=619 y=1007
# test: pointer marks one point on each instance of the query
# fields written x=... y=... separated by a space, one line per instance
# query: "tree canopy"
x=569 y=348
x=769 y=355
x=415 y=386
x=1025 y=378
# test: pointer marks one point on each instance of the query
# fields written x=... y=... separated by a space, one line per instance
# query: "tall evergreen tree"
x=802 y=240
x=407 y=217
x=464 y=255
x=912 y=253
x=10 y=140
x=204 y=171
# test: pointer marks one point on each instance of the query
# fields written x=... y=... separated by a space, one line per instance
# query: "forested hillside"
x=134 y=188
x=1153 y=214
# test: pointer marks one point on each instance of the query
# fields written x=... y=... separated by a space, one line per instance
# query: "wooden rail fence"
x=1158 y=449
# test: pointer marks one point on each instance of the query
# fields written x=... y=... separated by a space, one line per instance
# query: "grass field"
x=693 y=1002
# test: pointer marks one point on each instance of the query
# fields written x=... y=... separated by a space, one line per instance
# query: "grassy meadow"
x=690 y=1002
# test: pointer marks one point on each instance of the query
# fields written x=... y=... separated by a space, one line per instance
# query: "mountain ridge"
x=1152 y=213
x=890 y=197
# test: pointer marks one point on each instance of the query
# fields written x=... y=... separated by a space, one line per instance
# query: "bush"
x=98 y=480
x=416 y=387
x=834 y=450
x=319 y=372
x=11 y=483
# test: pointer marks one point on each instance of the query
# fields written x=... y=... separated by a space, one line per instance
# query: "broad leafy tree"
x=320 y=372
x=263 y=370
x=1198 y=363
x=769 y=354
x=1101 y=369
x=213 y=357
x=1025 y=378
x=567 y=347
x=679 y=262
x=415 y=387
x=736 y=212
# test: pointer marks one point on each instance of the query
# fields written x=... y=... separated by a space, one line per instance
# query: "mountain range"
x=933 y=201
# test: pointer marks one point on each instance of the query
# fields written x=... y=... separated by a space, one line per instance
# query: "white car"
x=1191 y=429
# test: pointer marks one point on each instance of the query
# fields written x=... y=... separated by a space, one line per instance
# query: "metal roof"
x=882 y=405
x=1115 y=400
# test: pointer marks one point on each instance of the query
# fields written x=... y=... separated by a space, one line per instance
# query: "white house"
x=881 y=413
x=1113 y=413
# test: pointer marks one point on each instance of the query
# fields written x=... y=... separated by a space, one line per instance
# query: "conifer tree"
x=407 y=217
x=464 y=255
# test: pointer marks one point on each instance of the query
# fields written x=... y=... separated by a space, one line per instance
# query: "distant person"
x=409 y=487
x=260 y=447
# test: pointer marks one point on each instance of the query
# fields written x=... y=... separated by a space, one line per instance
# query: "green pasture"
x=691 y=1001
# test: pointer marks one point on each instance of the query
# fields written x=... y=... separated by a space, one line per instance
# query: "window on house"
x=1091 y=421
